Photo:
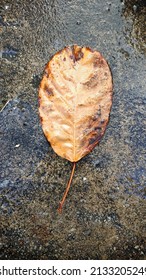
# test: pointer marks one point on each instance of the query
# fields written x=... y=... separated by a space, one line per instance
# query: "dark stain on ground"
x=9 y=52
x=136 y=10
x=36 y=79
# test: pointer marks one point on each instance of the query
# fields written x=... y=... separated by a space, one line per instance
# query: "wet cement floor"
x=104 y=215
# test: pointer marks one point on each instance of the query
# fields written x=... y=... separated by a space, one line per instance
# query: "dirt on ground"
x=103 y=217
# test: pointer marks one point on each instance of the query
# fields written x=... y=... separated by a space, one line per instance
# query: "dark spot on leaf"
x=97 y=128
x=39 y=100
x=89 y=49
x=95 y=139
x=95 y=118
x=76 y=54
x=98 y=62
x=92 y=82
x=73 y=58
x=79 y=55
x=46 y=74
x=47 y=71
x=91 y=141
x=99 y=112
x=48 y=91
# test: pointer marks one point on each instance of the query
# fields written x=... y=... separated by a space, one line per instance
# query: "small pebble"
x=108 y=9
x=17 y=145
x=72 y=229
x=97 y=163
x=134 y=8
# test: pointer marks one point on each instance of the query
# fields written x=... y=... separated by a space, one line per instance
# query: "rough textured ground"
x=104 y=215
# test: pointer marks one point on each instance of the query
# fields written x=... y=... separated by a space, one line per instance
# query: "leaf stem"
x=67 y=188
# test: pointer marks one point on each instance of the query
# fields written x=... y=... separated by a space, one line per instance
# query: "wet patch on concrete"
x=103 y=217
x=135 y=13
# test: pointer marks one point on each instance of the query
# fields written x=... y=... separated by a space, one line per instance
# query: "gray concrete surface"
x=104 y=215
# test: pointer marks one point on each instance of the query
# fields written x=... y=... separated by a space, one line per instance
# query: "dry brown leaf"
x=75 y=99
